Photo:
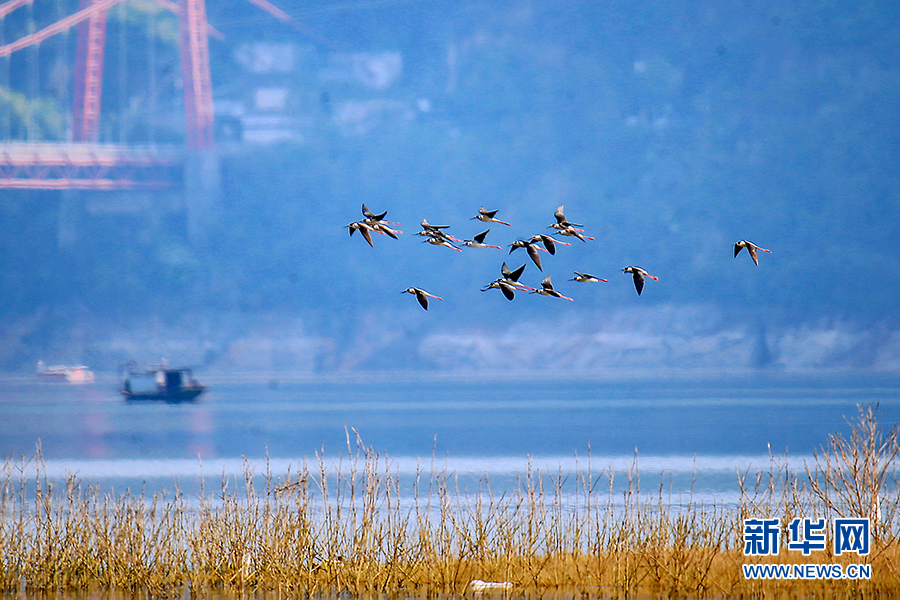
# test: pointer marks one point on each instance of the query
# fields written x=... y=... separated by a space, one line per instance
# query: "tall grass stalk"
x=351 y=526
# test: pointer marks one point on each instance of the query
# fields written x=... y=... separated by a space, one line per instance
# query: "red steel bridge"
x=85 y=164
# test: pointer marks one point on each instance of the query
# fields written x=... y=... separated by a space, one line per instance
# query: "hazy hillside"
x=669 y=131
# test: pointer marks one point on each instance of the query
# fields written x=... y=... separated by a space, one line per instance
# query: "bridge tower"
x=202 y=171
x=198 y=103
x=88 y=75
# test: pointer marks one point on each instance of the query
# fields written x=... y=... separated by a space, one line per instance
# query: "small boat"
x=162 y=383
x=70 y=374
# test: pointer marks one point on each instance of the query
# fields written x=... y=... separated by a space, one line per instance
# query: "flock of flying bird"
x=509 y=283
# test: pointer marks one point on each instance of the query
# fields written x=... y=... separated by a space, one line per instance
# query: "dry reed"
x=352 y=527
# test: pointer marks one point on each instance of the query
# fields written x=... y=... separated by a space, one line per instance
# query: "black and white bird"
x=586 y=278
x=377 y=222
x=421 y=295
x=532 y=247
x=488 y=216
x=477 y=241
x=547 y=289
x=561 y=222
x=509 y=282
x=436 y=231
x=639 y=274
x=499 y=284
x=363 y=228
x=751 y=248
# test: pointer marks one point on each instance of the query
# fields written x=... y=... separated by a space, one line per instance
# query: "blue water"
x=700 y=429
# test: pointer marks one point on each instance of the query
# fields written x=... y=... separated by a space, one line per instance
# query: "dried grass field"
x=345 y=528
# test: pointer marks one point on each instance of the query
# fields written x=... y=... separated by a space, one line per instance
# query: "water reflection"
x=471 y=428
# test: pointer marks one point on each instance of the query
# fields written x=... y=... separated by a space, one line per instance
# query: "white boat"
x=71 y=374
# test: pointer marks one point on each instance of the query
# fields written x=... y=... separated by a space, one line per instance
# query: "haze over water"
x=694 y=432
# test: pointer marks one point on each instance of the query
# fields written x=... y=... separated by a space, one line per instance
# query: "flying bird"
x=488 y=216
x=376 y=223
x=561 y=222
x=363 y=228
x=373 y=219
x=430 y=230
x=639 y=275
x=751 y=248
x=531 y=246
x=369 y=215
x=499 y=284
x=547 y=290
x=381 y=227
x=572 y=232
x=478 y=241
x=429 y=227
x=441 y=241
x=548 y=242
x=421 y=295
x=509 y=282
x=585 y=278
x=531 y=249
x=512 y=277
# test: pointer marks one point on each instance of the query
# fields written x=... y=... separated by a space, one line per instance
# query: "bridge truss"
x=85 y=164
x=89 y=167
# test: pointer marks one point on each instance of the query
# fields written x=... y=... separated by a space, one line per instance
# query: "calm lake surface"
x=690 y=433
